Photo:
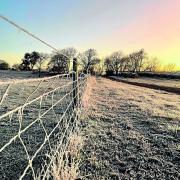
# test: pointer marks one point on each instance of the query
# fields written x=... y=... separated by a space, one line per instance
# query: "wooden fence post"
x=75 y=83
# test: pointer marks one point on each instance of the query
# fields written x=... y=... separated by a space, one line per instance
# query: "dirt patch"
x=124 y=140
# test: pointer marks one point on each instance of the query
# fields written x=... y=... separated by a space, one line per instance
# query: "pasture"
x=132 y=133
x=8 y=75
x=175 y=83
x=169 y=85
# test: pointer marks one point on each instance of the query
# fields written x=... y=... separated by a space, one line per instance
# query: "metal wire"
x=14 y=24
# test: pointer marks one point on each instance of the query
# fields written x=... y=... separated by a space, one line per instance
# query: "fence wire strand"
x=15 y=25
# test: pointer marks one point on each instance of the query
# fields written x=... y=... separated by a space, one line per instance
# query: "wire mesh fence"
x=37 y=117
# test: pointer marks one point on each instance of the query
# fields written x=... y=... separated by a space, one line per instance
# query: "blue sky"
x=79 y=23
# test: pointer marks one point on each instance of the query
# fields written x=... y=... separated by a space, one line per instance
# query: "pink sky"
x=157 y=30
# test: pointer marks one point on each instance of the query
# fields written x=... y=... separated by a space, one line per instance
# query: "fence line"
x=27 y=103
x=40 y=125
x=37 y=119
x=18 y=81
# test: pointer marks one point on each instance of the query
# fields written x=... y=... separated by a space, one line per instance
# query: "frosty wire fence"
x=37 y=117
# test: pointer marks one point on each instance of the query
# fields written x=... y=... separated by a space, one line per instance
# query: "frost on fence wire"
x=36 y=119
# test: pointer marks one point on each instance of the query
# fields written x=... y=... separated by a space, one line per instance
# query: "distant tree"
x=15 y=67
x=136 y=60
x=4 y=65
x=59 y=64
x=117 y=61
x=25 y=65
x=152 y=64
x=29 y=61
x=70 y=53
x=125 y=63
x=169 y=67
x=100 y=67
x=40 y=61
x=108 y=66
x=34 y=57
x=88 y=60
x=93 y=69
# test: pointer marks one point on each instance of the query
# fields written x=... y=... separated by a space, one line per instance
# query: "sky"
x=106 y=25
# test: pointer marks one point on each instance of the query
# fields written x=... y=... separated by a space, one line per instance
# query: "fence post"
x=75 y=83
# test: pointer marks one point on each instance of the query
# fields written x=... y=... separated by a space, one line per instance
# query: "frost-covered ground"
x=131 y=133
x=12 y=75
x=157 y=81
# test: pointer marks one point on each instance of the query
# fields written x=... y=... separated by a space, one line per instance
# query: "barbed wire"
x=53 y=106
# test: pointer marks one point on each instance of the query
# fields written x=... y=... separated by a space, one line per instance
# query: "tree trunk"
x=39 y=72
x=116 y=72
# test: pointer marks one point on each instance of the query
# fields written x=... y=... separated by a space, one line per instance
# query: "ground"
x=131 y=133
x=175 y=83
x=8 y=75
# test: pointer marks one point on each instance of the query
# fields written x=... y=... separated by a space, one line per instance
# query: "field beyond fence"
x=37 y=118
x=168 y=85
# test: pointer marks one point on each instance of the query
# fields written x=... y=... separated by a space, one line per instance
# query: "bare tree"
x=108 y=66
x=88 y=60
x=152 y=64
x=40 y=61
x=71 y=53
x=136 y=60
x=169 y=67
x=100 y=67
x=115 y=62
x=125 y=63
x=15 y=67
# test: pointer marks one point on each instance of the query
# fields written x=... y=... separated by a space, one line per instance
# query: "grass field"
x=132 y=133
x=157 y=81
x=7 y=75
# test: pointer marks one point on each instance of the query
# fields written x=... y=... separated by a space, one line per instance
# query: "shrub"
x=4 y=65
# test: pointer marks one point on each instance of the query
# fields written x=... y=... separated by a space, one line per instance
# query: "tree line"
x=61 y=62
x=135 y=62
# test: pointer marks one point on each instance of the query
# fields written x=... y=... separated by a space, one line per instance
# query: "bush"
x=4 y=66
x=159 y=75
x=109 y=73
x=128 y=75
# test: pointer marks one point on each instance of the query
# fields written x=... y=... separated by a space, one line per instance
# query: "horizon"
x=105 y=26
